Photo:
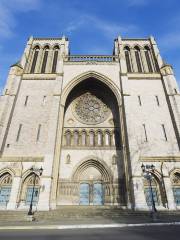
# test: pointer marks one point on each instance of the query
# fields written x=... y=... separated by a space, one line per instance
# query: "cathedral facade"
x=90 y=123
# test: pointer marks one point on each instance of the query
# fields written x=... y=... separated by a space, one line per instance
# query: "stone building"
x=90 y=121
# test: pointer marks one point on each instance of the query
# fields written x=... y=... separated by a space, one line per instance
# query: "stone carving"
x=176 y=179
x=68 y=159
x=70 y=121
x=90 y=110
x=114 y=160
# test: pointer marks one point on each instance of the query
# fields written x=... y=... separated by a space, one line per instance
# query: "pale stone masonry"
x=90 y=121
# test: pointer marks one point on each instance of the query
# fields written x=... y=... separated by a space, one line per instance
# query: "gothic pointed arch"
x=158 y=190
x=5 y=187
x=30 y=185
x=92 y=115
x=175 y=180
x=92 y=161
x=93 y=75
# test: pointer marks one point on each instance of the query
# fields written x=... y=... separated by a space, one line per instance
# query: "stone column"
x=144 y=63
x=57 y=154
x=44 y=196
x=39 y=61
x=133 y=60
x=49 y=61
x=12 y=204
x=169 y=193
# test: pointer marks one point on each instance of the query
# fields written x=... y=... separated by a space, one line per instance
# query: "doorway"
x=91 y=194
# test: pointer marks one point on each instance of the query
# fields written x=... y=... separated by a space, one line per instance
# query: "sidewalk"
x=88 y=222
x=72 y=217
x=84 y=226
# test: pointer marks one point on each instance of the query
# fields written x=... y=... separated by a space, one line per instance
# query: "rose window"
x=90 y=110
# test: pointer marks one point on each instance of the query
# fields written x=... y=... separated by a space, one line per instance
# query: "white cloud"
x=109 y=29
x=8 y=10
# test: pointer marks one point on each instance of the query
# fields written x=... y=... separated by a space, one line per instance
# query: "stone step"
x=83 y=212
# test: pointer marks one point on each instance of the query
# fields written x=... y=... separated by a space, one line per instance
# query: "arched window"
x=91 y=138
x=128 y=59
x=107 y=139
x=76 y=138
x=43 y=68
x=138 y=58
x=155 y=192
x=31 y=187
x=99 y=138
x=33 y=66
x=175 y=179
x=84 y=138
x=55 y=57
x=148 y=58
x=5 y=188
x=68 y=138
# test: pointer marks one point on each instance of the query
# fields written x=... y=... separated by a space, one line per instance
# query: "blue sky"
x=90 y=25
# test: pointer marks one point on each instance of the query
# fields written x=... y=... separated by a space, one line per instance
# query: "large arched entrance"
x=91 y=127
x=95 y=182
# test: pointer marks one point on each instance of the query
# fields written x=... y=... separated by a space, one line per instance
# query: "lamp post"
x=34 y=171
x=147 y=173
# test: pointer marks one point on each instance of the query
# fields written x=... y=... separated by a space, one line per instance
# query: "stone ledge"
x=139 y=76
x=22 y=159
x=160 y=159
x=38 y=76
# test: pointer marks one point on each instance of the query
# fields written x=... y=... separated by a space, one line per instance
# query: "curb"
x=86 y=226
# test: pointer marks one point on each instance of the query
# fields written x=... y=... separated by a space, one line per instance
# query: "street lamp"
x=147 y=173
x=34 y=171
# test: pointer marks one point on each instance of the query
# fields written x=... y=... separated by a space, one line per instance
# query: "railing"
x=91 y=58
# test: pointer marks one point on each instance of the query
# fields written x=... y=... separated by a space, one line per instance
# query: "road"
x=130 y=233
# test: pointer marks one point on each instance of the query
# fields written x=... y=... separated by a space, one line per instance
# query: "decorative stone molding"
x=92 y=147
x=68 y=159
x=50 y=39
x=90 y=63
x=166 y=70
x=21 y=159
x=160 y=159
x=97 y=76
x=139 y=76
x=39 y=76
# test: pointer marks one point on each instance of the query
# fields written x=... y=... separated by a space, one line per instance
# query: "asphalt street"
x=128 y=233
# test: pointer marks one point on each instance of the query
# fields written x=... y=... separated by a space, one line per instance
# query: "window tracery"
x=90 y=110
